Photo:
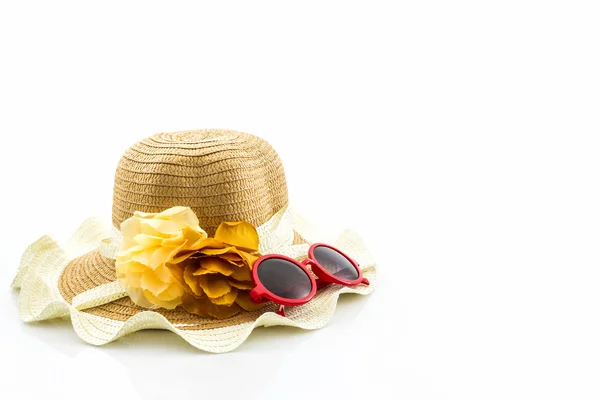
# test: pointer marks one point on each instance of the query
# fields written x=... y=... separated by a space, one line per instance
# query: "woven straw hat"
x=221 y=175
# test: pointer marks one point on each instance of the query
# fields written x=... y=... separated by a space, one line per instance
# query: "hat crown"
x=222 y=175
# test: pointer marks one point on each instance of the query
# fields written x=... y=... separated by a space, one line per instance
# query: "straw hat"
x=221 y=175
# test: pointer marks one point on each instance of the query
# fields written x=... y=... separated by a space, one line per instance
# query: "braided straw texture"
x=222 y=175
x=41 y=296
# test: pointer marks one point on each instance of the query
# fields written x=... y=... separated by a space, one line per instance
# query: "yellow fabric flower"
x=167 y=260
x=150 y=242
x=216 y=272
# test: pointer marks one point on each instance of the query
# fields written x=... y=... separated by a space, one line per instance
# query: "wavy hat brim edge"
x=44 y=260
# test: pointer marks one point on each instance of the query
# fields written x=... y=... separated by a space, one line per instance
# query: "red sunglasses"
x=287 y=282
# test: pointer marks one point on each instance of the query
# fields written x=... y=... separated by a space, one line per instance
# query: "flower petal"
x=241 y=274
x=227 y=299
x=159 y=301
x=177 y=272
x=143 y=257
x=137 y=296
x=183 y=216
x=231 y=257
x=147 y=240
x=249 y=258
x=174 y=291
x=246 y=285
x=142 y=214
x=209 y=243
x=214 y=265
x=129 y=229
x=191 y=280
x=240 y=234
x=151 y=283
x=202 y=271
x=164 y=274
x=216 y=252
x=158 y=227
x=163 y=255
x=191 y=304
x=129 y=252
x=173 y=240
x=160 y=256
x=182 y=257
x=202 y=306
x=187 y=235
x=214 y=285
x=124 y=267
x=131 y=279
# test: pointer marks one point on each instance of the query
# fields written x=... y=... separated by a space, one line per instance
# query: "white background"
x=459 y=138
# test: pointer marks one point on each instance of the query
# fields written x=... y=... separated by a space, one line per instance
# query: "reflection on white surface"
x=158 y=364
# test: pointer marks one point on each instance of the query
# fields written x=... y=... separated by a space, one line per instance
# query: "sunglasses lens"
x=335 y=263
x=284 y=278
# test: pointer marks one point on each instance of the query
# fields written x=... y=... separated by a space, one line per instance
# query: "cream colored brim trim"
x=44 y=260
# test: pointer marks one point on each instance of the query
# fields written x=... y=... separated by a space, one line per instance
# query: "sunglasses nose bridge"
x=308 y=262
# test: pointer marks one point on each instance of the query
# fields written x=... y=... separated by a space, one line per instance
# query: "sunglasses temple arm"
x=364 y=281
x=281 y=310
x=256 y=296
x=321 y=284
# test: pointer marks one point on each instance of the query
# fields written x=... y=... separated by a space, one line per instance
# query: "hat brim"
x=50 y=277
x=93 y=269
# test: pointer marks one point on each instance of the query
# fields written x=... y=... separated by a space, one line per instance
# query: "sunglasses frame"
x=260 y=293
x=324 y=275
